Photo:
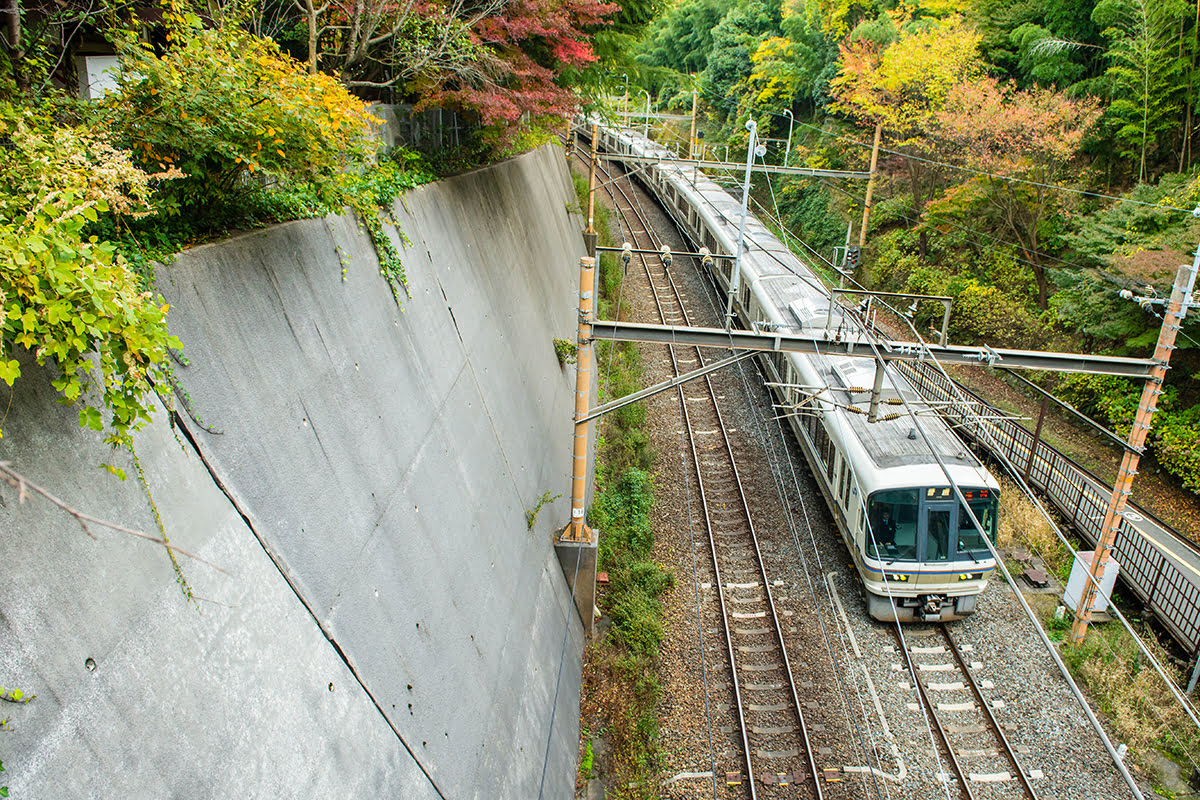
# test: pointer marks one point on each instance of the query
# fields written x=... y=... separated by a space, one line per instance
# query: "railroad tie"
x=792 y=753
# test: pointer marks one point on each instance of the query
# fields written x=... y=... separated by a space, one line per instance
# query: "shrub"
x=986 y=314
x=1177 y=445
x=224 y=106
x=64 y=296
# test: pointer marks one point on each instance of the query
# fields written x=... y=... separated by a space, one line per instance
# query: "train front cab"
x=923 y=555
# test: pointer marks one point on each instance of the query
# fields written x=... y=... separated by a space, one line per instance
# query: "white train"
x=917 y=553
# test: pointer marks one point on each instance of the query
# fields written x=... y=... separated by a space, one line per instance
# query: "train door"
x=936 y=524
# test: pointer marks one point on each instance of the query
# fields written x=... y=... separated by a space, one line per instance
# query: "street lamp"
x=791 y=121
x=646 y=125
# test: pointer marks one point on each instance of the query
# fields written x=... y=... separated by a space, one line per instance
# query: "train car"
x=917 y=552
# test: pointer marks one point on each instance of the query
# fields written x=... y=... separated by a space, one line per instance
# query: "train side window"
x=830 y=460
x=847 y=479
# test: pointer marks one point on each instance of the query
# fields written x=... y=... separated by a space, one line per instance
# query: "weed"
x=585 y=763
x=566 y=350
x=531 y=514
x=627 y=662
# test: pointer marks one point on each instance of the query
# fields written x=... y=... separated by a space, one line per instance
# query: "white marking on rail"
x=956 y=706
x=837 y=600
x=991 y=777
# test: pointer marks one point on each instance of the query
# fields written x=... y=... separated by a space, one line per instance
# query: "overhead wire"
x=859 y=745
x=1119 y=199
x=727 y=106
x=1000 y=564
x=819 y=287
x=979 y=527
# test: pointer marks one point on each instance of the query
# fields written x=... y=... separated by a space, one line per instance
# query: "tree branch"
x=25 y=486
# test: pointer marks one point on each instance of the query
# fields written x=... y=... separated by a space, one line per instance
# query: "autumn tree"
x=903 y=87
x=532 y=44
x=1021 y=143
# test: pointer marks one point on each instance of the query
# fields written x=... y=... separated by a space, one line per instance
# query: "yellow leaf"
x=270 y=131
x=281 y=153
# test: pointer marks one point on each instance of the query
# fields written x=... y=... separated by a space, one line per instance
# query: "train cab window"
x=892 y=525
x=937 y=532
x=971 y=546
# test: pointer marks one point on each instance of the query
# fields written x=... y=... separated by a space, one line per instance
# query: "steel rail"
x=704 y=506
x=745 y=511
x=988 y=714
x=964 y=781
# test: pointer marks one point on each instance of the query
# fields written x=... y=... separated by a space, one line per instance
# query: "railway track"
x=777 y=756
x=984 y=762
x=758 y=722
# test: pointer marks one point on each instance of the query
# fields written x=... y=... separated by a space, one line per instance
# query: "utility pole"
x=576 y=543
x=692 y=135
x=751 y=151
x=589 y=233
x=862 y=233
x=1181 y=296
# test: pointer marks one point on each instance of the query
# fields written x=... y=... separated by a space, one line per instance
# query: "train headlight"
x=970 y=576
x=897 y=576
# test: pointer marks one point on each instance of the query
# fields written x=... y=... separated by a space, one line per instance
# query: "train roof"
x=797 y=300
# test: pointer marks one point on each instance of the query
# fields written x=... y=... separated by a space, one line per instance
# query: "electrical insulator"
x=626 y=253
x=665 y=253
x=706 y=257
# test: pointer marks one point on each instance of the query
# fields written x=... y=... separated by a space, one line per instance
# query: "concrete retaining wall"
x=387 y=625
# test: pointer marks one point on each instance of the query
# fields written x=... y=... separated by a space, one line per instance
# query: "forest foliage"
x=1037 y=157
x=228 y=115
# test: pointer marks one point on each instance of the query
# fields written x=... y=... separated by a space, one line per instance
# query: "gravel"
x=855 y=691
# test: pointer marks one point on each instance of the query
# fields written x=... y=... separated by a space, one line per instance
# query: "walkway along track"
x=776 y=750
x=935 y=679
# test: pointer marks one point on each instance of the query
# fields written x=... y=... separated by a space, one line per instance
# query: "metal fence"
x=1156 y=580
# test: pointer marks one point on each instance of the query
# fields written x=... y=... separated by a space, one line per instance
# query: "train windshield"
x=971 y=546
x=907 y=526
x=893 y=525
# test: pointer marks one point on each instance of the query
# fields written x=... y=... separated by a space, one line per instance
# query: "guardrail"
x=1153 y=577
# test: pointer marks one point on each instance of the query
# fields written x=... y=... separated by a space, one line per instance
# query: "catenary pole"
x=1181 y=295
x=862 y=233
x=577 y=530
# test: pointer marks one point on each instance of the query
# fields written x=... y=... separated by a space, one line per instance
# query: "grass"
x=622 y=687
x=1022 y=525
x=1140 y=709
